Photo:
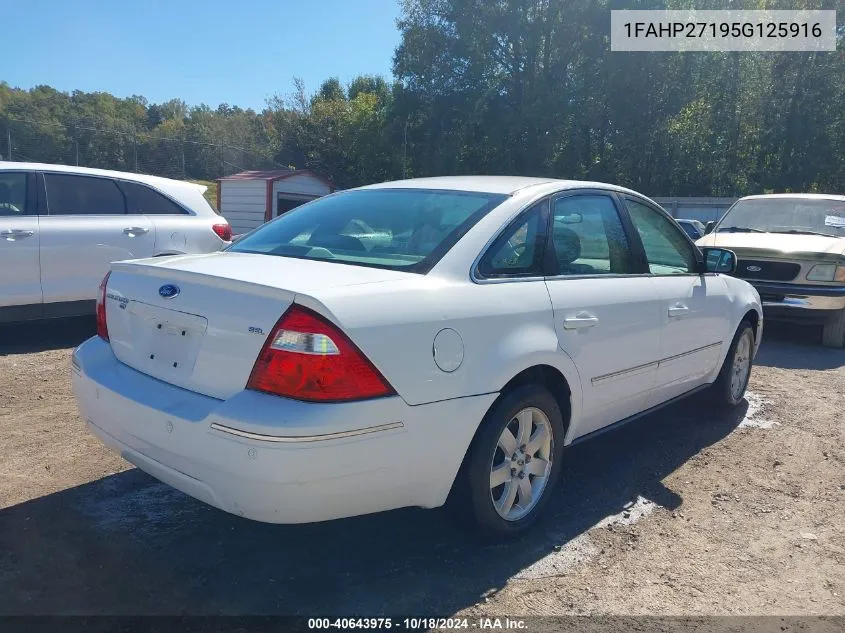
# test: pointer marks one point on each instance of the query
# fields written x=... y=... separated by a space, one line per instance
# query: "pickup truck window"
x=786 y=215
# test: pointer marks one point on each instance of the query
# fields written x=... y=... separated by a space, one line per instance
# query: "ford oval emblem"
x=168 y=291
x=751 y=269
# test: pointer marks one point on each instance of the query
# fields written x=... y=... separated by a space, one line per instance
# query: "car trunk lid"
x=199 y=321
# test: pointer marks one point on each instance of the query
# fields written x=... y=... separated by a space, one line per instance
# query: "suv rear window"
x=142 y=199
x=397 y=229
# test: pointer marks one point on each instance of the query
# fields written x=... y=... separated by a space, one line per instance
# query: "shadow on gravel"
x=791 y=346
x=40 y=336
x=127 y=544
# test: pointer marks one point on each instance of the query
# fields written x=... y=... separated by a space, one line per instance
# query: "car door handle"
x=677 y=310
x=13 y=236
x=132 y=231
x=579 y=321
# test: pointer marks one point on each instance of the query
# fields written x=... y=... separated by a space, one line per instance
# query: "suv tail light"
x=102 y=326
x=306 y=357
x=223 y=231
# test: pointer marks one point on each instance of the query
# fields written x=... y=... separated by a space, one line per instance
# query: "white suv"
x=61 y=228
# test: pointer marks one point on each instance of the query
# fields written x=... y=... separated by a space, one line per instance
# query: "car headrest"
x=342 y=242
x=567 y=245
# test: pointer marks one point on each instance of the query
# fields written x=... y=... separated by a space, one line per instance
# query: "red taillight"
x=306 y=357
x=224 y=232
x=102 y=326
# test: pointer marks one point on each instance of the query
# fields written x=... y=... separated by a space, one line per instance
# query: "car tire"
x=473 y=499
x=729 y=388
x=833 y=334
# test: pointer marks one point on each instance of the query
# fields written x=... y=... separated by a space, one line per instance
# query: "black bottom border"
x=525 y=624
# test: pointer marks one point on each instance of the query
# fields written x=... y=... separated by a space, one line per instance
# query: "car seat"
x=568 y=249
x=6 y=206
x=334 y=241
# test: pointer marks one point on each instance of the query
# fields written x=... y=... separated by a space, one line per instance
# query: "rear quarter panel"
x=188 y=233
x=505 y=328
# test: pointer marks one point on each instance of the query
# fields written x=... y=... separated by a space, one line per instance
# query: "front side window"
x=140 y=199
x=518 y=251
x=588 y=237
x=397 y=229
x=83 y=195
x=667 y=250
x=13 y=195
x=786 y=215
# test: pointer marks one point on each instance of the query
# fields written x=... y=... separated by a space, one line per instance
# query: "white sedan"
x=307 y=374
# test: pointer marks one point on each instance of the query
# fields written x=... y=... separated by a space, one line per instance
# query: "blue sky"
x=210 y=51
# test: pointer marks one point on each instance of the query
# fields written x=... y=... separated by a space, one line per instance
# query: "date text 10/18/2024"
x=417 y=624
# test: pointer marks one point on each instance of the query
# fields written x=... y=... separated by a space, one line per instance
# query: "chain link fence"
x=84 y=145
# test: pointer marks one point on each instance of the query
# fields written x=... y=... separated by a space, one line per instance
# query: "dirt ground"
x=684 y=512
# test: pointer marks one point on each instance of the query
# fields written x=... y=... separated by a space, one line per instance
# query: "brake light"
x=306 y=357
x=223 y=231
x=102 y=326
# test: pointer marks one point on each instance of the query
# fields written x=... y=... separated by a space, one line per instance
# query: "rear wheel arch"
x=550 y=367
x=543 y=375
x=549 y=378
x=471 y=499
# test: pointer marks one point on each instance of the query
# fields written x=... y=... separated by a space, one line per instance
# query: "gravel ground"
x=684 y=512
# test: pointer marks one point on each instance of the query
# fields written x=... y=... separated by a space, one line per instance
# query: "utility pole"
x=9 y=139
x=184 y=175
x=135 y=150
x=405 y=150
x=222 y=161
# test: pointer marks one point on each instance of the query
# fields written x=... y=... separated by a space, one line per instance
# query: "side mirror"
x=719 y=260
x=708 y=228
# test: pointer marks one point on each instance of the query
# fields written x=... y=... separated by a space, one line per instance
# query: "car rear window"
x=398 y=229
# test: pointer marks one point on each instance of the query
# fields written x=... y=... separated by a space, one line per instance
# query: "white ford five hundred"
x=411 y=342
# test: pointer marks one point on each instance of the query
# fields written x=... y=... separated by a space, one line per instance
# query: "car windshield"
x=397 y=229
x=786 y=215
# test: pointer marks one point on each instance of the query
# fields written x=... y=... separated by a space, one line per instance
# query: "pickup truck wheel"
x=512 y=466
x=833 y=334
x=729 y=388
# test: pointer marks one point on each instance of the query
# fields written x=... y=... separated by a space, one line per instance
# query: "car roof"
x=508 y=185
x=798 y=196
x=159 y=182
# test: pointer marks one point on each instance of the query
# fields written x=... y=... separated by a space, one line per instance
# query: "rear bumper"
x=273 y=459
x=795 y=302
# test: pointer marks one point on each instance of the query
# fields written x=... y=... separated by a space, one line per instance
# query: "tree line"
x=492 y=86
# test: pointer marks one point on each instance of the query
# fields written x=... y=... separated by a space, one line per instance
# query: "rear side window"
x=588 y=237
x=13 y=201
x=518 y=251
x=397 y=229
x=69 y=194
x=141 y=199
